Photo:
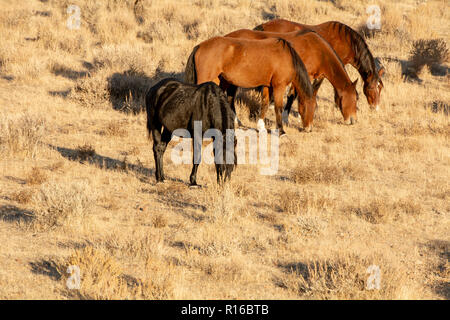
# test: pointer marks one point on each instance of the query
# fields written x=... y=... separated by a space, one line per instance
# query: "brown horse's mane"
x=302 y=76
x=364 y=61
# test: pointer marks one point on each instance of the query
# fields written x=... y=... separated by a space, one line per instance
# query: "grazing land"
x=77 y=183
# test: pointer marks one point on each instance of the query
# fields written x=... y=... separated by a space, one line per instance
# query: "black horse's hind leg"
x=196 y=158
x=193 y=177
x=160 y=142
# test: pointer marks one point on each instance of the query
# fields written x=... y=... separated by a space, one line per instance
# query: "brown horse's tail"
x=190 y=73
x=301 y=74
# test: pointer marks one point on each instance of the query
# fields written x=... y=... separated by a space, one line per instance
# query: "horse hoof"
x=350 y=121
x=307 y=129
x=194 y=186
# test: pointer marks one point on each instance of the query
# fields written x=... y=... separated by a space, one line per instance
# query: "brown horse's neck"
x=357 y=54
x=336 y=74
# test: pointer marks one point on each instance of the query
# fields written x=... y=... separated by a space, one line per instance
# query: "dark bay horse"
x=271 y=63
x=320 y=61
x=174 y=105
x=349 y=46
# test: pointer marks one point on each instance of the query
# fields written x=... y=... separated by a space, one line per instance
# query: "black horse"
x=175 y=105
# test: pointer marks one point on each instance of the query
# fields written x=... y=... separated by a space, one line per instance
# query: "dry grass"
x=77 y=182
x=36 y=176
x=63 y=205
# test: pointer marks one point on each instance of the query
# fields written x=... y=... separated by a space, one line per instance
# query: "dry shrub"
x=342 y=277
x=158 y=282
x=58 y=205
x=318 y=171
x=85 y=152
x=383 y=210
x=249 y=104
x=310 y=225
x=90 y=91
x=21 y=135
x=115 y=129
x=431 y=53
x=159 y=221
x=36 y=176
x=23 y=196
x=127 y=90
x=301 y=203
x=222 y=203
x=101 y=275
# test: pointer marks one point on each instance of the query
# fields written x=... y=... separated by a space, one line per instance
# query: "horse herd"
x=272 y=56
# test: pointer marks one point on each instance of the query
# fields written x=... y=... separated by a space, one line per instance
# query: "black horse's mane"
x=302 y=76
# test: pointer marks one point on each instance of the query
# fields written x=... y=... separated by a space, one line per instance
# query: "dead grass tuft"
x=100 y=274
x=303 y=202
x=23 y=196
x=158 y=281
x=60 y=205
x=116 y=129
x=85 y=152
x=317 y=171
x=159 y=221
x=36 y=176
x=21 y=135
x=383 y=211
x=344 y=277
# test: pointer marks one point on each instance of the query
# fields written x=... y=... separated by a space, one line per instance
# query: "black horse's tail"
x=190 y=73
x=150 y=112
x=301 y=76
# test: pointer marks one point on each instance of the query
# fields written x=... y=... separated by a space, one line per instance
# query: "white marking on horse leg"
x=260 y=125
x=377 y=108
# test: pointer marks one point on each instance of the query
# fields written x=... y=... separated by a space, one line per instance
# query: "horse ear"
x=381 y=72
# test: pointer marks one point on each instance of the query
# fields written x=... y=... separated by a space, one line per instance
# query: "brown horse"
x=320 y=60
x=271 y=63
x=349 y=46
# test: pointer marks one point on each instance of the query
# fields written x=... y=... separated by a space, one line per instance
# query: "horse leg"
x=336 y=100
x=278 y=94
x=160 y=142
x=265 y=105
x=196 y=158
x=290 y=100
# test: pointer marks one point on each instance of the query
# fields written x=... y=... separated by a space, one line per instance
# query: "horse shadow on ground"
x=9 y=213
x=47 y=268
x=107 y=163
x=410 y=71
x=440 y=248
x=63 y=71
